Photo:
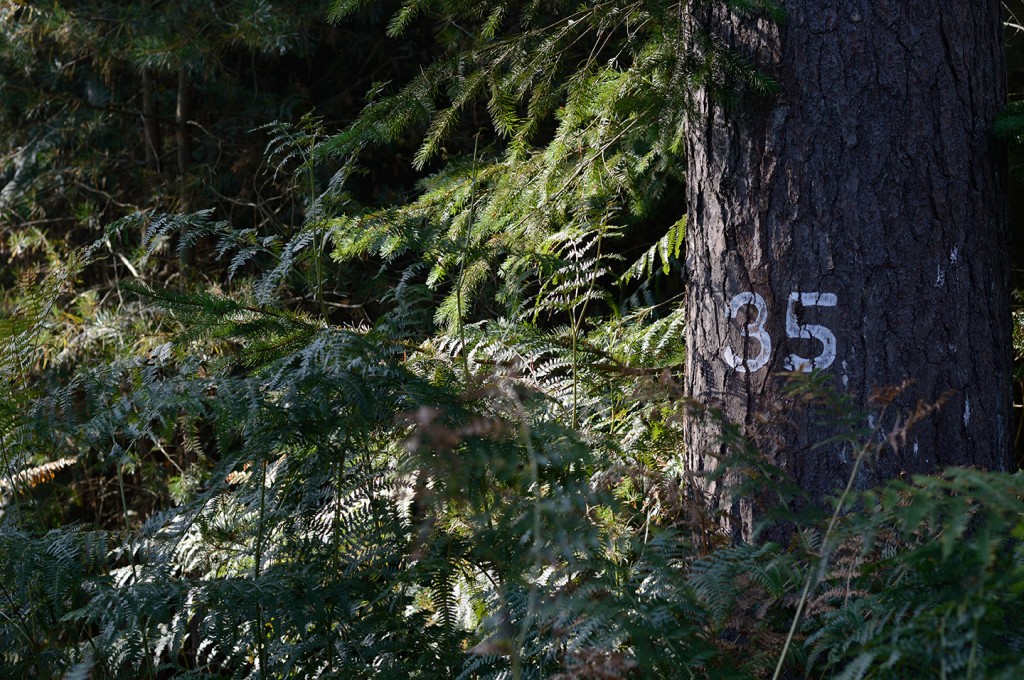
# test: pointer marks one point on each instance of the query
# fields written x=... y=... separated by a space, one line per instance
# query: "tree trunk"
x=182 y=116
x=854 y=223
x=152 y=138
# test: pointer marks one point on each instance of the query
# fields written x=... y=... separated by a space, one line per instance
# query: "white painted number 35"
x=795 y=329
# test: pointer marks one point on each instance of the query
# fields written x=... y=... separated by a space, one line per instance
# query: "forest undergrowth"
x=435 y=430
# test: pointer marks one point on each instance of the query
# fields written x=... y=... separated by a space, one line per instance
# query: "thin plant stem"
x=318 y=247
x=840 y=504
x=462 y=261
x=260 y=646
x=27 y=631
x=533 y=599
x=336 y=537
x=135 y=574
x=577 y=325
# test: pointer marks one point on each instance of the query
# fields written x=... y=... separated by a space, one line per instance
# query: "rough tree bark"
x=854 y=222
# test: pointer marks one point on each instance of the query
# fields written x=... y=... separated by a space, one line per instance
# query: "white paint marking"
x=805 y=331
x=917 y=447
x=940 y=277
x=796 y=329
x=871 y=422
x=967 y=411
x=954 y=255
x=846 y=378
x=752 y=330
